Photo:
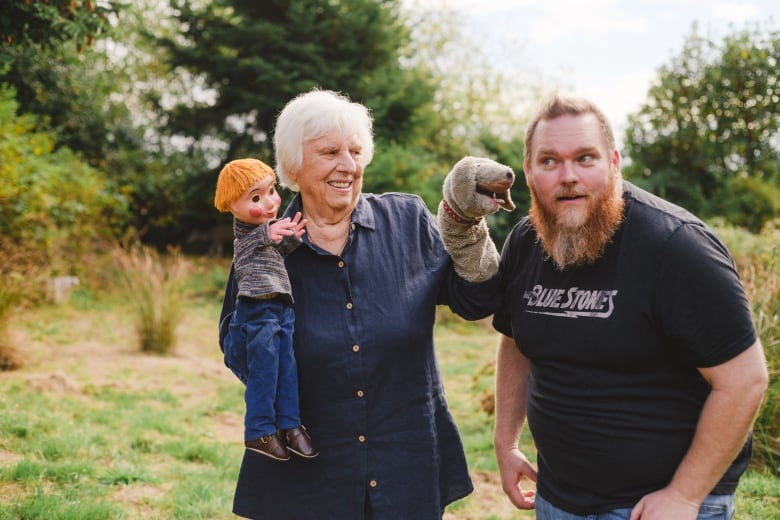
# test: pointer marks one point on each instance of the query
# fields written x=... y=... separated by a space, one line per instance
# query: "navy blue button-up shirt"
x=370 y=391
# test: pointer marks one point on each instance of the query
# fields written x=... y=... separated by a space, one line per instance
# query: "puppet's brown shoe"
x=299 y=442
x=270 y=446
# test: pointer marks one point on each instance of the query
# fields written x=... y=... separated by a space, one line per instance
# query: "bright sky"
x=606 y=50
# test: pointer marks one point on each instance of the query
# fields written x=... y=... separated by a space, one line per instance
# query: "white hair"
x=311 y=115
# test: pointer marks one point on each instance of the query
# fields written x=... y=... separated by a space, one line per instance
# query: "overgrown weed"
x=154 y=286
x=758 y=260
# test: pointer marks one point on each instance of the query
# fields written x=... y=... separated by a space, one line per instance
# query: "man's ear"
x=616 y=161
x=526 y=169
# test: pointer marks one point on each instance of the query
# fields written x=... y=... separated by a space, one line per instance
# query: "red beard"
x=570 y=245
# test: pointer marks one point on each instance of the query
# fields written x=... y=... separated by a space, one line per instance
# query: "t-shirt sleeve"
x=501 y=318
x=701 y=301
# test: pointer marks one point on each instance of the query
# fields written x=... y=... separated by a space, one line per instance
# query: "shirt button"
x=360 y=393
x=372 y=483
x=341 y=263
x=362 y=438
x=352 y=226
x=355 y=348
x=349 y=305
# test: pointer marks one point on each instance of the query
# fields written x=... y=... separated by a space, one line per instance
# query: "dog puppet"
x=474 y=188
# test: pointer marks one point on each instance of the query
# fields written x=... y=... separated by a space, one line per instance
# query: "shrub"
x=758 y=260
x=154 y=286
x=749 y=202
x=51 y=200
x=21 y=283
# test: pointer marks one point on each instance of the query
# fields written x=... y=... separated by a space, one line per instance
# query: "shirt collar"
x=363 y=215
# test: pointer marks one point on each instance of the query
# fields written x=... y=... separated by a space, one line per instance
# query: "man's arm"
x=512 y=371
x=738 y=386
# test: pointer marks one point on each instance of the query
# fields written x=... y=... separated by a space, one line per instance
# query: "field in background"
x=91 y=428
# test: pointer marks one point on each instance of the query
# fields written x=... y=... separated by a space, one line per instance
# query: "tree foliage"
x=244 y=60
x=184 y=86
x=430 y=91
x=52 y=22
x=96 y=103
x=50 y=200
x=255 y=56
x=708 y=136
x=44 y=59
x=70 y=93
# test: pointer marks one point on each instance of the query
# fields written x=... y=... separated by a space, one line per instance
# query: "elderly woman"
x=366 y=282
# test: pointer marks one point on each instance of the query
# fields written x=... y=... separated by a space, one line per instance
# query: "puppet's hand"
x=287 y=227
x=474 y=188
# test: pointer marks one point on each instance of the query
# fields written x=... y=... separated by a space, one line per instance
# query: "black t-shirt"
x=614 y=394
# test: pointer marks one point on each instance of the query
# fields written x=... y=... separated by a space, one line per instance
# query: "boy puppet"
x=258 y=348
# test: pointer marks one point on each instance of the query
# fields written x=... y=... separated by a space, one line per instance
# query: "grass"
x=154 y=285
x=91 y=427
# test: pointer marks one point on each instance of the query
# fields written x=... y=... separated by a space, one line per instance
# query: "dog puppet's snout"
x=510 y=175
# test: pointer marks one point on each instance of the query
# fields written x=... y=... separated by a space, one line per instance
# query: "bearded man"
x=626 y=341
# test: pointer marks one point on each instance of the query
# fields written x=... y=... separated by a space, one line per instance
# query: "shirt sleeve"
x=473 y=300
x=511 y=261
x=701 y=302
x=228 y=306
x=288 y=245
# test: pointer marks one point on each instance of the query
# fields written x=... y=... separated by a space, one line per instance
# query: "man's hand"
x=513 y=466
x=474 y=188
x=664 y=504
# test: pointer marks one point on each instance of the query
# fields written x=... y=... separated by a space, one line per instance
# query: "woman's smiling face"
x=331 y=175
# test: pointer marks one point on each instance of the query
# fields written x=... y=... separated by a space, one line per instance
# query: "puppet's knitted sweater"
x=259 y=262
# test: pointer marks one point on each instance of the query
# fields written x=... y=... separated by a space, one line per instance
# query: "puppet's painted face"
x=258 y=204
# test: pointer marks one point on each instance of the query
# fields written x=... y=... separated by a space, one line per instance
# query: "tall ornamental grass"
x=758 y=260
x=154 y=287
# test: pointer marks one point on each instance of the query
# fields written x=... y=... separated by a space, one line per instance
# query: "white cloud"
x=607 y=50
x=736 y=12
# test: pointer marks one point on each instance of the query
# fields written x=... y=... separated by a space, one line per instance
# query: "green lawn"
x=92 y=429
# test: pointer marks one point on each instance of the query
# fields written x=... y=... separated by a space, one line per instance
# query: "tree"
x=431 y=91
x=241 y=61
x=55 y=125
x=707 y=137
x=255 y=56
x=42 y=57
x=95 y=102
x=481 y=105
x=51 y=22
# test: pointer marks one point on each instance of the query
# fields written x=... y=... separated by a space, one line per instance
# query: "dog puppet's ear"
x=508 y=204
